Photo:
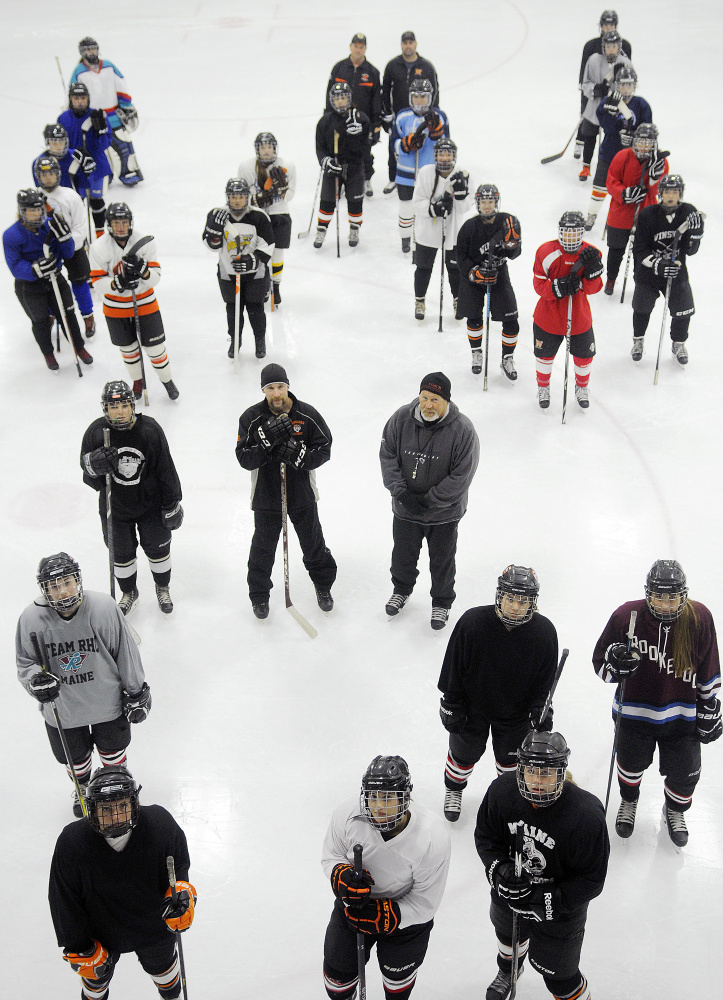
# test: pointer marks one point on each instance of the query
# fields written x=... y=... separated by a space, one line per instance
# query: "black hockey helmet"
x=517 y=581
x=626 y=80
x=265 y=139
x=31 y=208
x=78 y=90
x=238 y=187
x=58 y=135
x=340 y=97
x=46 y=170
x=540 y=755
x=118 y=211
x=671 y=182
x=53 y=569
x=118 y=392
x=112 y=799
x=386 y=781
x=423 y=90
x=666 y=580
x=89 y=50
x=445 y=154
x=571 y=231
x=608 y=21
x=612 y=46
x=645 y=140
x=487 y=192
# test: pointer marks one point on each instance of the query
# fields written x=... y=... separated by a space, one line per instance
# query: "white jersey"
x=241 y=235
x=256 y=176
x=411 y=868
x=598 y=70
x=105 y=256
x=68 y=203
x=429 y=187
x=91 y=653
x=103 y=84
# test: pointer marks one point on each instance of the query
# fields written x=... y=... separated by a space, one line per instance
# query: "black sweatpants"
x=38 y=300
x=351 y=184
x=442 y=545
x=155 y=538
x=252 y=293
x=318 y=560
x=679 y=763
x=681 y=306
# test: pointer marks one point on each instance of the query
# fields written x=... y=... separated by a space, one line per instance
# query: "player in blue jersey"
x=89 y=132
x=75 y=165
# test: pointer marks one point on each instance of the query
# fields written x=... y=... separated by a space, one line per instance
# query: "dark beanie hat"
x=438 y=384
x=273 y=373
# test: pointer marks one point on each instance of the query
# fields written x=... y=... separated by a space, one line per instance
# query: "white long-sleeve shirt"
x=68 y=203
x=427 y=229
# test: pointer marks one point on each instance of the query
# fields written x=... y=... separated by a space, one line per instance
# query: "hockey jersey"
x=626 y=170
x=655 y=235
x=408 y=164
x=551 y=262
x=598 y=70
x=105 y=256
x=82 y=136
x=250 y=232
x=257 y=177
x=106 y=86
x=429 y=188
x=612 y=125
x=67 y=203
x=22 y=247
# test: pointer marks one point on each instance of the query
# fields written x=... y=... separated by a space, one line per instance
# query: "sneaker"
x=138 y=388
x=476 y=360
x=368 y=190
x=319 y=238
x=261 y=610
x=584 y=173
x=406 y=244
x=277 y=293
x=89 y=326
x=88 y=360
x=51 y=362
x=395 y=604
x=680 y=351
x=171 y=389
x=579 y=146
x=261 y=347
x=543 y=396
x=164 y=600
x=388 y=188
x=452 y=804
x=625 y=819
x=439 y=618
x=675 y=822
x=609 y=286
x=590 y=221
x=353 y=235
x=501 y=986
x=508 y=367
x=324 y=600
x=582 y=395
x=637 y=350
x=419 y=308
x=128 y=601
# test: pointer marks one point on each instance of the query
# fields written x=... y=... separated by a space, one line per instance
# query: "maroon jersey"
x=625 y=171
x=551 y=262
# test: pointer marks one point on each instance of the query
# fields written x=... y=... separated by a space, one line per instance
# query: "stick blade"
x=298 y=617
x=550 y=159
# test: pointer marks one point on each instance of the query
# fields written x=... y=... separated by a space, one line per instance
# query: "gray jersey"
x=598 y=70
x=92 y=653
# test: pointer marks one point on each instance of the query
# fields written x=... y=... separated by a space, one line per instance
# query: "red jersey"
x=625 y=171
x=551 y=262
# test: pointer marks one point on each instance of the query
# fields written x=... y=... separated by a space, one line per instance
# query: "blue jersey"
x=405 y=123
x=89 y=140
x=612 y=125
x=22 y=247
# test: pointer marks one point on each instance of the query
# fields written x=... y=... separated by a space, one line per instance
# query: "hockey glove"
x=611 y=102
x=345 y=886
x=98 y=121
x=216 y=223
x=565 y=286
x=101 y=461
x=600 y=90
x=453 y=714
x=633 y=194
x=378 y=916
x=179 y=913
x=331 y=166
x=277 y=176
x=135 y=266
x=442 y=206
x=535 y=713
x=414 y=502
x=619 y=662
x=512 y=232
x=483 y=274
x=45 y=266
x=708 y=725
x=245 y=263
x=434 y=123
x=387 y=120
x=95 y=963
x=414 y=141
x=510 y=887
x=665 y=267
x=85 y=162
x=460 y=184
x=173 y=516
x=657 y=166
x=292 y=453
x=128 y=117
x=542 y=905
x=137 y=707
x=591 y=259
x=59 y=228
x=695 y=223
x=283 y=429
x=44 y=686
x=626 y=137
x=265 y=440
x=353 y=124
x=265 y=197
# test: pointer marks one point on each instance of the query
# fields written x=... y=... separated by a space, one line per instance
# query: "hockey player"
x=608 y=22
x=272 y=181
x=559 y=830
x=35 y=249
x=405 y=854
x=109 y=891
x=75 y=165
x=599 y=71
x=398 y=75
x=618 y=131
x=416 y=130
x=658 y=260
x=66 y=203
x=565 y=272
x=496 y=675
x=632 y=181
x=366 y=96
x=124 y=272
x=89 y=135
x=441 y=199
x=283 y=429
x=146 y=491
x=429 y=455
x=95 y=676
x=103 y=81
x=342 y=142
x=243 y=237
x=670 y=678
x=484 y=245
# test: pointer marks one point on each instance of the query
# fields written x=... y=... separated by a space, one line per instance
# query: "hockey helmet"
x=89 y=50
x=120 y=220
x=445 y=154
x=612 y=46
x=112 y=799
x=645 y=140
x=114 y=393
x=665 y=582
x=386 y=788
x=520 y=582
x=571 y=231
x=47 y=172
x=487 y=193
x=340 y=97
x=237 y=188
x=56 y=139
x=265 y=139
x=542 y=764
x=53 y=572
x=421 y=93
x=31 y=208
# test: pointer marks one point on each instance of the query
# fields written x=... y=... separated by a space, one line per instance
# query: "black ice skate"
x=439 y=618
x=675 y=822
x=128 y=601
x=395 y=604
x=501 y=986
x=164 y=600
x=171 y=389
x=261 y=610
x=625 y=819
x=324 y=600
x=452 y=804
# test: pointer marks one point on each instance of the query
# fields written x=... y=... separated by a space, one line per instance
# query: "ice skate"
x=439 y=618
x=584 y=173
x=353 y=235
x=582 y=395
x=637 y=349
x=324 y=600
x=625 y=819
x=319 y=238
x=88 y=360
x=51 y=362
x=261 y=610
x=590 y=221
x=543 y=396
x=89 y=326
x=388 y=188
x=675 y=822
x=680 y=351
x=476 y=360
x=406 y=244
x=609 y=286
x=419 y=308
x=501 y=986
x=368 y=189
x=128 y=601
x=171 y=389
x=164 y=600
x=452 y=804
x=508 y=367
x=395 y=604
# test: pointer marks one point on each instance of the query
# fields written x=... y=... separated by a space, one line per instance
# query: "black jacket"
x=398 y=75
x=366 y=87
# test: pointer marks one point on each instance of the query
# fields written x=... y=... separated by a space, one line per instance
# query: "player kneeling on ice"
x=544 y=845
x=566 y=271
x=124 y=271
x=109 y=888
x=667 y=685
x=390 y=894
x=92 y=682
x=244 y=239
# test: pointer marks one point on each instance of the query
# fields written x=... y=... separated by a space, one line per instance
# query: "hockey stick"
x=61 y=310
x=682 y=228
x=549 y=159
x=137 y=321
x=487 y=328
x=515 y=916
x=336 y=193
x=62 y=78
x=237 y=324
x=441 y=273
x=621 y=698
x=567 y=356
x=41 y=657
x=57 y=335
x=631 y=237
x=171 y=867
x=556 y=678
x=296 y=615
x=110 y=536
x=302 y=236
x=360 y=956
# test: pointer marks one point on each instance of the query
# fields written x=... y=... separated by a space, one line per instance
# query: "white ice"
x=256 y=730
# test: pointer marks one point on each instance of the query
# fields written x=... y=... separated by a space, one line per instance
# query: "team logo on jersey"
x=130 y=466
x=533 y=861
x=72 y=661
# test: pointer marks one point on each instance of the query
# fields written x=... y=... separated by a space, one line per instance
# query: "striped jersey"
x=105 y=257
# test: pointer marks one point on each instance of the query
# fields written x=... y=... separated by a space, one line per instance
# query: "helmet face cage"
x=385 y=791
x=56 y=572
x=78 y=91
x=31 y=208
x=56 y=140
x=645 y=140
x=114 y=393
x=571 y=231
x=112 y=799
x=542 y=763
x=47 y=173
x=265 y=139
x=236 y=188
x=666 y=579
x=89 y=50
x=340 y=97
x=487 y=192
x=422 y=90
x=445 y=154
x=671 y=182
x=611 y=45
x=119 y=213
x=521 y=582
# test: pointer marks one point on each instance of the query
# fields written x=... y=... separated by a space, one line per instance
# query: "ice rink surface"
x=257 y=732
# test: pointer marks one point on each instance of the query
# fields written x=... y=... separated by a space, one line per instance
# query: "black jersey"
x=499 y=674
x=477 y=235
x=115 y=897
x=655 y=234
x=565 y=843
x=350 y=148
x=146 y=478
x=366 y=87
